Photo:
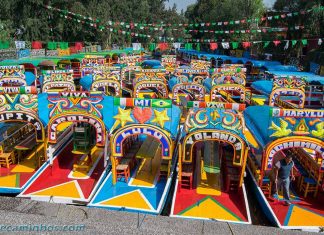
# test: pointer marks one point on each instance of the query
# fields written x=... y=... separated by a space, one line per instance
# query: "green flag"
x=266 y=44
x=152 y=46
x=64 y=45
x=198 y=47
x=304 y=42
x=235 y=45
x=293 y=42
x=4 y=45
x=51 y=45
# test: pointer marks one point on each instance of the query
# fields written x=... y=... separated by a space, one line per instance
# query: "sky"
x=182 y=4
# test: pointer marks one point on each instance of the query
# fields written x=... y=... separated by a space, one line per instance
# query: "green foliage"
x=33 y=22
x=226 y=10
x=314 y=21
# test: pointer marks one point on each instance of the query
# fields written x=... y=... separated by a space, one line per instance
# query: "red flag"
x=213 y=46
x=246 y=44
x=276 y=42
x=163 y=46
x=78 y=46
x=36 y=45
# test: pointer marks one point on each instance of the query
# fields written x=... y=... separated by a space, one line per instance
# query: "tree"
x=35 y=22
x=220 y=11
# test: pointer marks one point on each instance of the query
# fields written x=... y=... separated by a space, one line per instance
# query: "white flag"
x=287 y=45
x=136 y=46
x=320 y=41
x=177 y=45
x=20 y=44
x=225 y=45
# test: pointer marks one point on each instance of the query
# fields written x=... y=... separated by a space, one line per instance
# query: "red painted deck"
x=58 y=174
x=232 y=202
x=22 y=177
x=308 y=211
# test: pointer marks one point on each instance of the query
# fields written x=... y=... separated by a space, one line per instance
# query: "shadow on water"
x=257 y=215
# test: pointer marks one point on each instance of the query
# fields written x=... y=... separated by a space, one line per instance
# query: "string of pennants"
x=234 y=45
x=245 y=44
x=95 y=23
x=157 y=26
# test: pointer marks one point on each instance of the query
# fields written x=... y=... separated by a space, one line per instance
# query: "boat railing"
x=14 y=138
x=285 y=104
x=255 y=166
x=62 y=138
x=310 y=167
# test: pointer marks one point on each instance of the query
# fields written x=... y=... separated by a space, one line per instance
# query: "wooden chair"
x=123 y=169
x=6 y=159
x=309 y=184
x=266 y=186
x=164 y=169
x=186 y=176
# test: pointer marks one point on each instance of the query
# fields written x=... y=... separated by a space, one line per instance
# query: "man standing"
x=282 y=171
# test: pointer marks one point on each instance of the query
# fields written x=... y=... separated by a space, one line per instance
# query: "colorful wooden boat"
x=143 y=156
x=15 y=76
x=22 y=148
x=75 y=123
x=150 y=83
x=229 y=85
x=105 y=79
x=211 y=167
x=169 y=62
x=296 y=132
x=58 y=80
x=299 y=92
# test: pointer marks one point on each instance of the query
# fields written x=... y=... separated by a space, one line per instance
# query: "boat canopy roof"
x=276 y=123
x=310 y=77
x=264 y=86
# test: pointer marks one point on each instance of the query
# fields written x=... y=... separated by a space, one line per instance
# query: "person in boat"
x=283 y=169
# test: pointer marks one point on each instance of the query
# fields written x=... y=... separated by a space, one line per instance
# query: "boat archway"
x=227 y=87
x=288 y=86
x=69 y=86
x=103 y=84
x=94 y=121
x=159 y=85
x=292 y=142
x=238 y=144
x=150 y=130
x=158 y=135
x=12 y=81
x=199 y=89
x=25 y=117
x=275 y=95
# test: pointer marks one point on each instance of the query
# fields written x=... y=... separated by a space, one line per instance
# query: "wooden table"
x=148 y=150
x=26 y=144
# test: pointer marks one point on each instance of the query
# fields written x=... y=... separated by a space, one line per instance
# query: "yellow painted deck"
x=9 y=181
x=301 y=217
x=209 y=183
x=259 y=101
x=132 y=199
x=96 y=154
x=63 y=126
x=29 y=164
x=148 y=171
x=69 y=189
x=210 y=209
